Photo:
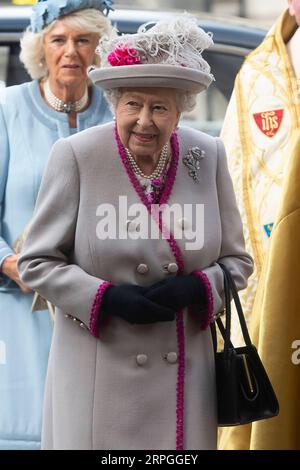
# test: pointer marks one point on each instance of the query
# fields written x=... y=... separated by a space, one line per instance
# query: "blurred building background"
x=261 y=10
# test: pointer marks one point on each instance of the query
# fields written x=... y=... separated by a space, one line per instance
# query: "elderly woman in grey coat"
x=131 y=221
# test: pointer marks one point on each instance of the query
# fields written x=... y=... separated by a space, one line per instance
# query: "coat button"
x=172 y=268
x=141 y=359
x=131 y=226
x=142 y=268
x=183 y=223
x=171 y=357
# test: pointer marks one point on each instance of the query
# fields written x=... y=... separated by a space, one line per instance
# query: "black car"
x=233 y=38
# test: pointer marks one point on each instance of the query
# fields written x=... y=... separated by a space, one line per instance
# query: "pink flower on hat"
x=123 y=55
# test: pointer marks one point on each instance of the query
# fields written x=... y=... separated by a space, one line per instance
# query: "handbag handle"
x=231 y=290
x=224 y=332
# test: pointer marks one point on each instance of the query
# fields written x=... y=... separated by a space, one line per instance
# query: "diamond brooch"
x=192 y=161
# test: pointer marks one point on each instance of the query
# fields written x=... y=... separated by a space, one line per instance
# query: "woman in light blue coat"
x=57 y=49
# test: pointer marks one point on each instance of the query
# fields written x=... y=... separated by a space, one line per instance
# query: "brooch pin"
x=192 y=162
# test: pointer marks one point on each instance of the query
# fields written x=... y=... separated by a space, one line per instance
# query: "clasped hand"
x=10 y=269
x=158 y=302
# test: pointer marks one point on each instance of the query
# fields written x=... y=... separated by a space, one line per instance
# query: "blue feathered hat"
x=44 y=12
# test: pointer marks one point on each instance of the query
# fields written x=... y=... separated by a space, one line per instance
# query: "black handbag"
x=244 y=391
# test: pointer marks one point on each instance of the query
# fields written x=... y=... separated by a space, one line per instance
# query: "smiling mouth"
x=144 y=137
x=70 y=66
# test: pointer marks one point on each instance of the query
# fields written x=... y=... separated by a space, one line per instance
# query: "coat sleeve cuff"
x=95 y=311
x=208 y=310
x=5 y=253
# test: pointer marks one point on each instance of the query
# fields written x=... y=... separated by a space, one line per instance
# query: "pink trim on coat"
x=94 y=326
x=171 y=176
x=180 y=382
x=207 y=314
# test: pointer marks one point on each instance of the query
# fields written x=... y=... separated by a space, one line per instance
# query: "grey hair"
x=32 y=44
x=185 y=100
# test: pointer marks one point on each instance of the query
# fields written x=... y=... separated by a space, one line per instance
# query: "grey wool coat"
x=119 y=391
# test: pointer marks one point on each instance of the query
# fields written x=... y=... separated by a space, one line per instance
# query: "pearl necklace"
x=159 y=168
x=63 y=106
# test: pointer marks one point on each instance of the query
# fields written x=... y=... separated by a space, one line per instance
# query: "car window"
x=16 y=72
x=209 y=112
x=211 y=106
x=4 y=58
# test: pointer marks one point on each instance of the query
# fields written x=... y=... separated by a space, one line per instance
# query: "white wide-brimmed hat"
x=167 y=55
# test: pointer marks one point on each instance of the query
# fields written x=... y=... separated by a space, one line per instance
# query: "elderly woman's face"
x=68 y=53
x=146 y=118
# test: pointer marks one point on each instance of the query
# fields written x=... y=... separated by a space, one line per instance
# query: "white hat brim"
x=151 y=75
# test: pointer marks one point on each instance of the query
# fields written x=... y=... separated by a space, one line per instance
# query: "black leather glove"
x=129 y=303
x=178 y=292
